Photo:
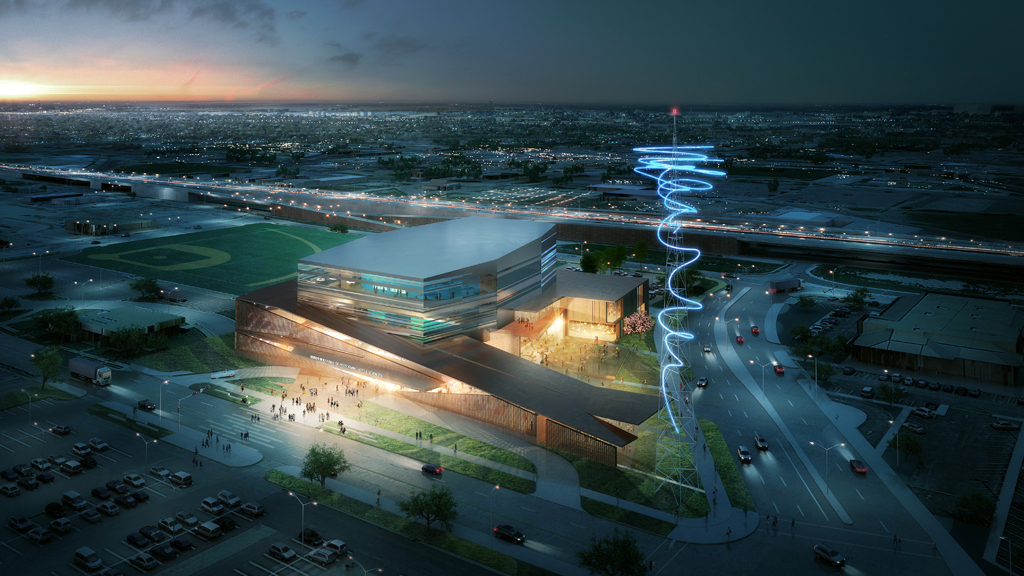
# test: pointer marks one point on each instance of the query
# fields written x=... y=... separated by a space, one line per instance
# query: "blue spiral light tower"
x=675 y=169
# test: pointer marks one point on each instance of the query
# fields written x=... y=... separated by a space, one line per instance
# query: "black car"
x=948 y=387
x=138 y=540
x=432 y=469
x=226 y=524
x=506 y=532
x=164 y=552
x=311 y=537
x=20 y=524
x=29 y=483
x=140 y=496
x=920 y=383
x=181 y=543
x=961 y=391
x=974 y=392
x=116 y=487
x=61 y=430
x=101 y=493
x=935 y=386
x=9 y=474
x=125 y=501
x=147 y=404
x=153 y=533
x=23 y=470
x=849 y=370
x=45 y=478
x=88 y=462
x=55 y=510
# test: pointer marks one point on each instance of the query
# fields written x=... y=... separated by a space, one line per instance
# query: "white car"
x=134 y=480
x=188 y=520
x=159 y=472
x=228 y=498
x=171 y=525
x=40 y=464
x=81 y=449
x=212 y=505
x=923 y=413
x=98 y=444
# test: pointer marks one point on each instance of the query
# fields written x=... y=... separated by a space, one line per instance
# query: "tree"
x=800 y=332
x=907 y=444
x=891 y=393
x=806 y=302
x=62 y=321
x=128 y=339
x=588 y=263
x=615 y=555
x=158 y=341
x=338 y=227
x=48 y=362
x=615 y=256
x=8 y=303
x=43 y=283
x=438 y=505
x=148 y=287
x=857 y=298
x=323 y=460
x=641 y=251
x=975 y=507
x=825 y=371
x=638 y=323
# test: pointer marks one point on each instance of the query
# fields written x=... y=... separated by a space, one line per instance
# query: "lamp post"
x=763 y=366
x=29 y=403
x=302 y=526
x=496 y=487
x=365 y=571
x=833 y=273
x=146 y=442
x=815 y=375
x=1009 y=551
x=826 y=461
x=40 y=254
x=891 y=422
x=162 y=404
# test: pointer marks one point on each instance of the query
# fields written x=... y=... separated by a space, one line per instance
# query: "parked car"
x=61 y=430
x=849 y=370
x=323 y=557
x=81 y=449
x=911 y=427
x=337 y=546
x=226 y=523
x=211 y=505
x=164 y=552
x=60 y=526
x=170 y=525
x=10 y=490
x=39 y=535
x=159 y=472
x=134 y=480
x=40 y=464
x=858 y=467
x=98 y=444
x=153 y=533
x=961 y=391
x=56 y=459
x=867 y=392
x=91 y=516
x=29 y=483
x=101 y=492
x=1005 y=425
x=228 y=498
x=974 y=392
x=921 y=383
x=897 y=378
x=137 y=539
x=144 y=562
x=187 y=520
x=20 y=524
x=432 y=469
x=252 y=509
x=116 y=487
x=282 y=552
x=922 y=413
x=73 y=500
x=828 y=554
x=140 y=496
x=86 y=558
x=88 y=462
x=948 y=388
x=934 y=385
x=884 y=377
x=310 y=537
x=126 y=501
x=181 y=543
x=506 y=532
x=22 y=470
x=45 y=478
x=55 y=510
x=744 y=454
x=109 y=509
x=9 y=474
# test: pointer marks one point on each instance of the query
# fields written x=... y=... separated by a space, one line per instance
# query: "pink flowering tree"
x=638 y=323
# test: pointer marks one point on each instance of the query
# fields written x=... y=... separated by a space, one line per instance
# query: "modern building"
x=99 y=324
x=939 y=333
x=435 y=314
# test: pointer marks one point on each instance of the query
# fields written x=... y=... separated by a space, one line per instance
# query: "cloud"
x=12 y=5
x=349 y=58
x=392 y=46
x=239 y=14
x=191 y=80
x=295 y=14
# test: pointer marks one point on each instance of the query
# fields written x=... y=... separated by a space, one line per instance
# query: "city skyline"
x=593 y=53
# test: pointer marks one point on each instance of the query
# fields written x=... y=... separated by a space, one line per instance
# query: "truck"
x=786 y=285
x=90 y=371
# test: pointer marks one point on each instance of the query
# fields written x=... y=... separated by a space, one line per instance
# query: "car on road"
x=109 y=509
x=29 y=483
x=153 y=533
x=744 y=454
x=81 y=449
x=61 y=526
x=39 y=535
x=867 y=392
x=117 y=487
x=849 y=370
x=197 y=227
x=147 y=405
x=252 y=509
x=310 y=537
x=134 y=480
x=159 y=472
x=55 y=510
x=1005 y=425
x=739 y=339
x=828 y=554
x=707 y=348
x=45 y=478
x=170 y=525
x=282 y=552
x=187 y=520
x=211 y=505
x=922 y=413
x=126 y=235
x=61 y=430
x=126 y=501
x=911 y=427
x=506 y=532
x=858 y=467
x=101 y=492
x=137 y=539
x=755 y=330
x=432 y=469
x=20 y=524
x=181 y=543
x=40 y=464
x=779 y=369
x=144 y=562
x=760 y=441
x=228 y=498
x=91 y=516
x=702 y=382
x=164 y=552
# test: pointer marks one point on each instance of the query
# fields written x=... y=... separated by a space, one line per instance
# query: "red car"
x=755 y=330
x=739 y=339
x=780 y=369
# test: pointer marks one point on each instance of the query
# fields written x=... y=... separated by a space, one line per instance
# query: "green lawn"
x=231 y=260
x=207 y=355
x=404 y=424
x=641 y=368
x=268 y=386
x=409 y=528
x=120 y=418
x=628 y=517
x=17 y=397
x=731 y=479
x=644 y=342
x=226 y=394
x=489 y=475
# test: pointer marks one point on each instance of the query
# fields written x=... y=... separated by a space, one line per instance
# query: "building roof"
x=568 y=283
x=107 y=321
x=423 y=252
x=489 y=369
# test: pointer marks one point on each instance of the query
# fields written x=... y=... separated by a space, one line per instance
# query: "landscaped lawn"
x=207 y=355
x=17 y=397
x=730 y=474
x=640 y=368
x=117 y=417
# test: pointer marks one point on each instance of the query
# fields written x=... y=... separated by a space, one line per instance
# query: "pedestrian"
x=899 y=541
x=728 y=533
x=200 y=464
x=257 y=418
x=744 y=511
x=241 y=435
x=714 y=502
x=793 y=525
x=197 y=449
x=650 y=566
x=894 y=537
x=218 y=439
x=456 y=449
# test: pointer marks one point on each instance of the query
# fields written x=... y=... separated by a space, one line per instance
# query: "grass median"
x=17 y=397
x=450 y=463
x=735 y=489
x=468 y=550
x=396 y=421
x=224 y=394
x=118 y=417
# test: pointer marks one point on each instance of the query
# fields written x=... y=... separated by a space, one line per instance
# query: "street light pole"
x=763 y=366
x=891 y=422
x=826 y=461
x=146 y=442
x=29 y=404
x=302 y=526
x=815 y=376
x=496 y=487
x=162 y=405
x=1009 y=552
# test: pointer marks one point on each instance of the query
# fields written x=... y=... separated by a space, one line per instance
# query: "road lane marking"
x=801 y=511
x=783 y=481
x=804 y=482
x=790 y=403
x=805 y=422
x=859 y=494
x=883 y=525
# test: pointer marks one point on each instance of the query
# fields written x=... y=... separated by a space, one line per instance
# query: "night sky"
x=523 y=51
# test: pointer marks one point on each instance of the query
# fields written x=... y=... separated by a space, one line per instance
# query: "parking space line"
x=801 y=511
x=883 y=525
x=6 y=448
x=105 y=456
x=15 y=439
x=155 y=492
x=121 y=453
x=12 y=549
